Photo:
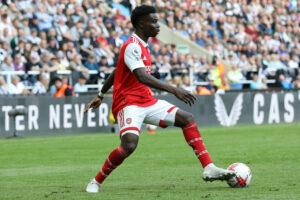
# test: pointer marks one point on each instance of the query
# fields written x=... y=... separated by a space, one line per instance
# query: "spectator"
x=4 y=90
x=211 y=86
x=297 y=82
x=235 y=78
x=284 y=83
x=51 y=7
x=119 y=16
x=13 y=11
x=111 y=38
x=91 y=64
x=78 y=68
x=23 y=5
x=43 y=47
x=214 y=72
x=34 y=23
x=118 y=39
x=62 y=89
x=224 y=85
x=40 y=87
x=101 y=39
x=78 y=14
x=33 y=64
x=103 y=50
x=33 y=37
x=100 y=27
x=275 y=64
x=46 y=60
x=86 y=47
x=18 y=63
x=52 y=46
x=202 y=90
x=62 y=60
x=55 y=65
x=80 y=86
x=177 y=81
x=17 y=87
x=63 y=30
x=44 y=19
x=7 y=64
x=163 y=67
x=104 y=66
x=6 y=26
x=200 y=40
x=126 y=35
x=76 y=31
x=200 y=68
x=256 y=84
x=109 y=18
x=186 y=84
x=5 y=35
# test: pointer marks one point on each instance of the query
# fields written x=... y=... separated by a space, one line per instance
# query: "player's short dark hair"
x=140 y=12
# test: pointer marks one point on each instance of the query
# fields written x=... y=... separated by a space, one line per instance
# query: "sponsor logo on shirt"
x=137 y=54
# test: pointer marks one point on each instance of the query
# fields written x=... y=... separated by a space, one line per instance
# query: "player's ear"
x=142 y=22
x=140 y=25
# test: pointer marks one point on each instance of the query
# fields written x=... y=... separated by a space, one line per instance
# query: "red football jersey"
x=127 y=89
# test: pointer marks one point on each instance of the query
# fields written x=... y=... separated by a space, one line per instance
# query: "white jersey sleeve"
x=133 y=56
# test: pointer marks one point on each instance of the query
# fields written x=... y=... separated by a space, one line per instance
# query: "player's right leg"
x=129 y=143
x=130 y=120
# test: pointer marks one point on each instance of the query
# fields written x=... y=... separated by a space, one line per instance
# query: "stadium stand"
x=257 y=39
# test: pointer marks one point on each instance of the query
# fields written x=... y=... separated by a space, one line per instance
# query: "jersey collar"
x=140 y=40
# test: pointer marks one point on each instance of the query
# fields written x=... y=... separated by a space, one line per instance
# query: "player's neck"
x=142 y=36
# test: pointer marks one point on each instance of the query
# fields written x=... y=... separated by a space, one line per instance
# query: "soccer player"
x=133 y=103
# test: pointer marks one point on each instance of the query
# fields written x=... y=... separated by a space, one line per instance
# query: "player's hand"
x=185 y=96
x=95 y=103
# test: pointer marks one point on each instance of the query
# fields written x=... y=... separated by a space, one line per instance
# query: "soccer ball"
x=243 y=175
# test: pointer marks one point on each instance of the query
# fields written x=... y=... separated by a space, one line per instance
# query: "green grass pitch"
x=162 y=167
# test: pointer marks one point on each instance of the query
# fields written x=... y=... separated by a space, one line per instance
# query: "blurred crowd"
x=258 y=39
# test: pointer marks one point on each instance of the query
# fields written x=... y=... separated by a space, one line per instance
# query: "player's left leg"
x=193 y=137
x=165 y=114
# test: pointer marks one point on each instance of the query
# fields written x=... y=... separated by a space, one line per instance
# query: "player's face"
x=151 y=26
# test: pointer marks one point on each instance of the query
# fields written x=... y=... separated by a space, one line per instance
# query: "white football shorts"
x=131 y=118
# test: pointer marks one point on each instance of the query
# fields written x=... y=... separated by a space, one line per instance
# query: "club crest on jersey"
x=128 y=120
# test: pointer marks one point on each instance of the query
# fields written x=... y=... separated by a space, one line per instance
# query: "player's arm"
x=96 y=102
x=133 y=60
x=108 y=82
x=150 y=81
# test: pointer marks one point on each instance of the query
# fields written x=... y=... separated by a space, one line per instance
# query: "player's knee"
x=130 y=147
x=183 y=118
x=189 y=118
x=129 y=142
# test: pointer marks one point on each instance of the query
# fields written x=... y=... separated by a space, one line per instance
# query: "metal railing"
x=9 y=74
x=98 y=86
